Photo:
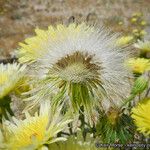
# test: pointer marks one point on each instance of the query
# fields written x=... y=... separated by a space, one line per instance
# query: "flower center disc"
x=77 y=68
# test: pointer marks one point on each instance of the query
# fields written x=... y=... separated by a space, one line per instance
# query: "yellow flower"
x=133 y=20
x=143 y=32
x=124 y=40
x=143 y=46
x=10 y=76
x=120 y=23
x=138 y=65
x=143 y=23
x=35 y=131
x=37 y=46
x=141 y=116
x=136 y=32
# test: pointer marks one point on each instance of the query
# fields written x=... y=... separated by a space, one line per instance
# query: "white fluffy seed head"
x=80 y=54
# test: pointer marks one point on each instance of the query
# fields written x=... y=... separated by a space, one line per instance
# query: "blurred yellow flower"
x=143 y=32
x=141 y=116
x=143 y=23
x=138 y=65
x=120 y=23
x=10 y=76
x=143 y=46
x=135 y=31
x=35 y=131
x=124 y=40
x=133 y=20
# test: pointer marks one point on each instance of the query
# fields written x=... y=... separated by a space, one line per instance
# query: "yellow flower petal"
x=141 y=116
x=138 y=65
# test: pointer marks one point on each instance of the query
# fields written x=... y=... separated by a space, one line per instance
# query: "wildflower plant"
x=35 y=131
x=115 y=127
x=79 y=61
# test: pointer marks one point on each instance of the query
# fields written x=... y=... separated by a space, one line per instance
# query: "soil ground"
x=18 y=18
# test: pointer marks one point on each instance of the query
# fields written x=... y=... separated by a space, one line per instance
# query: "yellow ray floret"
x=10 y=75
x=35 y=131
x=35 y=47
x=138 y=65
x=124 y=40
x=141 y=116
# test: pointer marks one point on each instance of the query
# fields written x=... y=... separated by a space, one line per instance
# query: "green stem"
x=128 y=100
x=82 y=119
